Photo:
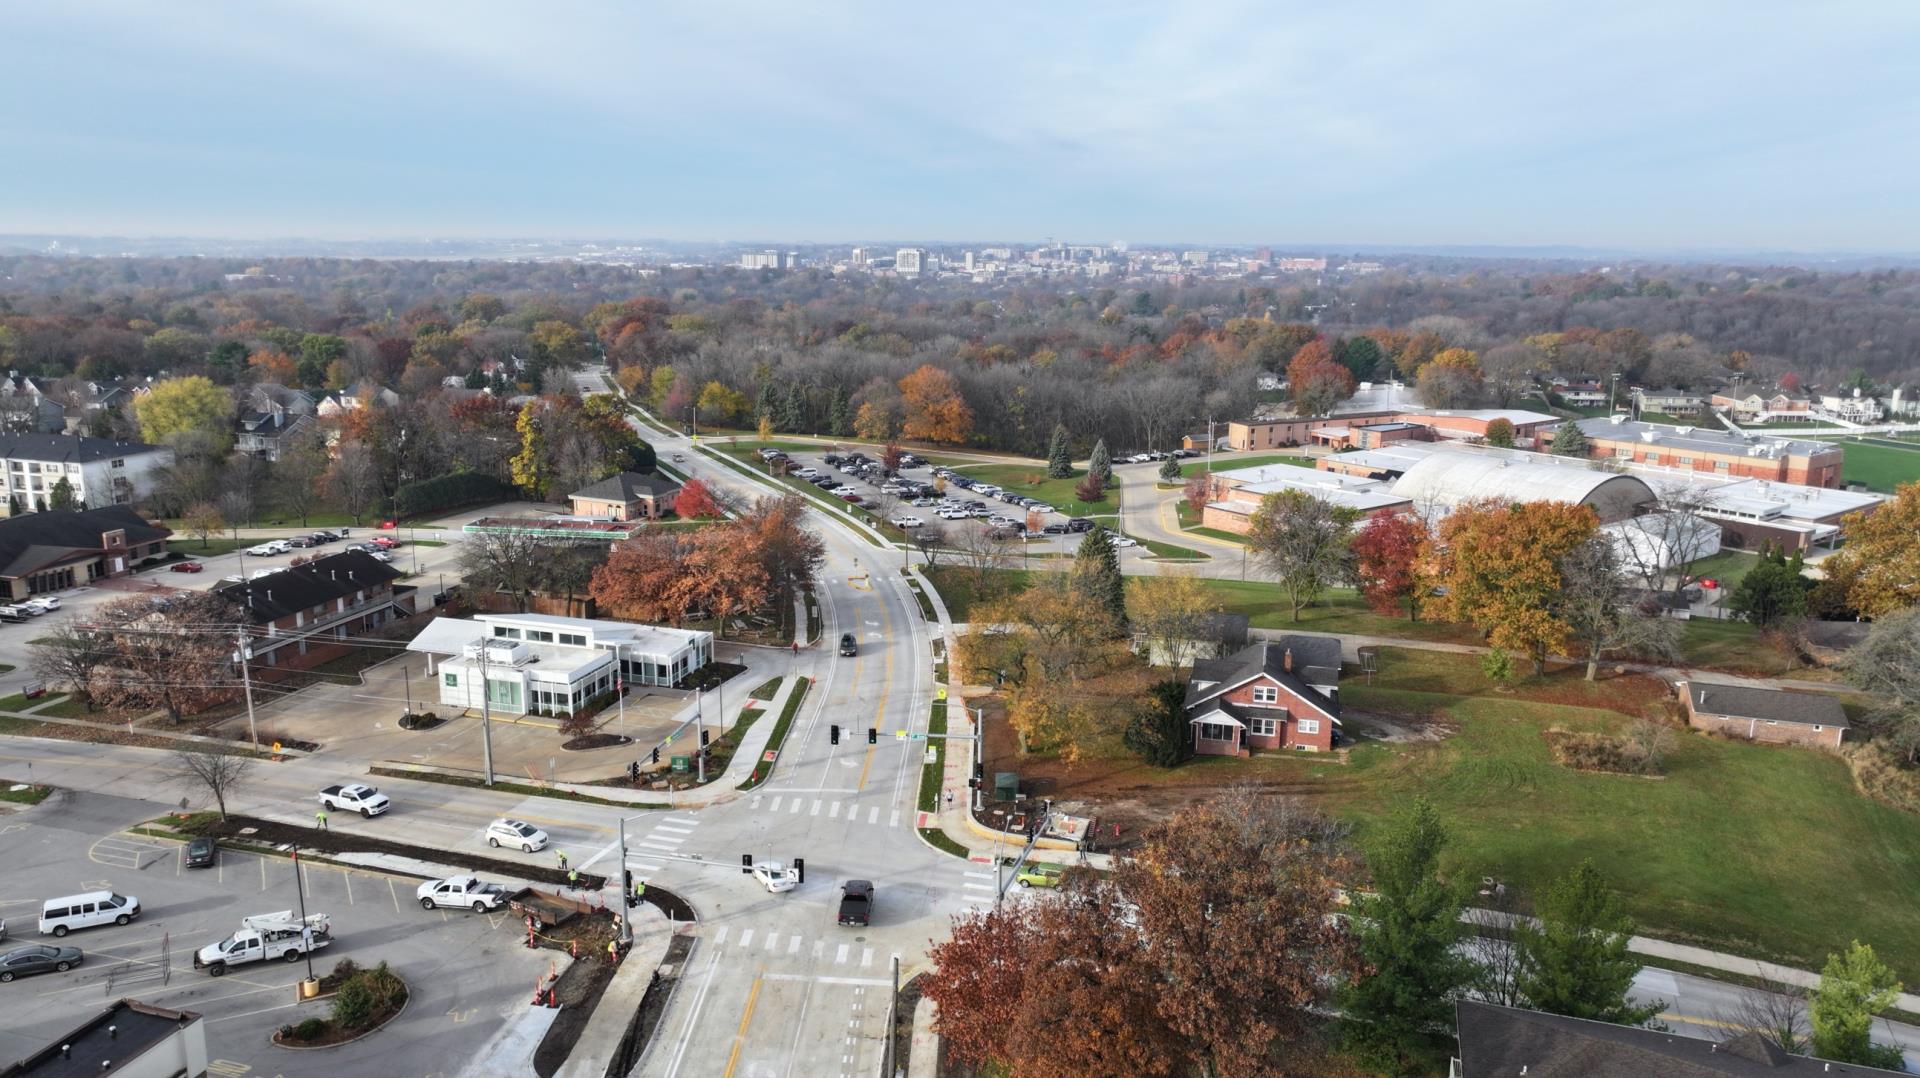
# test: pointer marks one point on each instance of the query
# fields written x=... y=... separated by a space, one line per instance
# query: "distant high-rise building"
x=1198 y=258
x=910 y=261
x=1301 y=265
x=860 y=256
x=760 y=260
x=969 y=261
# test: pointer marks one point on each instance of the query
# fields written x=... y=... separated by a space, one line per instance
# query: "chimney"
x=1286 y=661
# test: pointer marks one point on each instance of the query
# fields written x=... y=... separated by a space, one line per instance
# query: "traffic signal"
x=833 y=733
x=873 y=736
x=799 y=870
x=979 y=770
x=746 y=864
x=656 y=754
x=973 y=784
x=705 y=735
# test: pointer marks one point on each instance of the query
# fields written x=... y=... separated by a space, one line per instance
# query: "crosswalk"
x=825 y=808
x=769 y=942
x=978 y=886
x=669 y=833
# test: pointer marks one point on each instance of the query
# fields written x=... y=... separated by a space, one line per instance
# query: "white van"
x=60 y=915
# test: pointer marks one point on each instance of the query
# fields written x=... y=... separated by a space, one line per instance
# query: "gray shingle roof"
x=1316 y=659
x=1504 y=1042
x=302 y=587
x=628 y=486
x=1767 y=705
x=67 y=448
x=35 y=540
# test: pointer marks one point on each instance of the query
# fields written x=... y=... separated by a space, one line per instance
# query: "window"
x=1308 y=726
x=540 y=636
x=1216 y=731
x=452 y=680
x=1263 y=727
x=1266 y=694
x=578 y=640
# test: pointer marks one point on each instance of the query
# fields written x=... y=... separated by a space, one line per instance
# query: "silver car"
x=510 y=832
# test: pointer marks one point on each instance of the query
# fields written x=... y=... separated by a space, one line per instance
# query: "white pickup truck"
x=355 y=797
x=264 y=936
x=462 y=892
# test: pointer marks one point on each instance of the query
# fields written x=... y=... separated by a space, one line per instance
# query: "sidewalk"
x=599 y=1044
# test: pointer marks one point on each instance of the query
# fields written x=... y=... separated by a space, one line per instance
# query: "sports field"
x=1881 y=463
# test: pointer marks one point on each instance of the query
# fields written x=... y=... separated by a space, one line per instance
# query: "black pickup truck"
x=856 y=902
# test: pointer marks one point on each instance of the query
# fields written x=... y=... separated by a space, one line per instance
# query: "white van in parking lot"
x=58 y=916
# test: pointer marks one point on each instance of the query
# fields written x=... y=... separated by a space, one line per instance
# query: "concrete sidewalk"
x=599 y=1043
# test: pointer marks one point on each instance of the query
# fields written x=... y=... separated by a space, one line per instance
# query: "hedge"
x=448 y=491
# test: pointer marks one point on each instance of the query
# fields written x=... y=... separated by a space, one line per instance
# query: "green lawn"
x=1172 y=552
x=1880 y=464
x=1725 y=568
x=1762 y=850
x=1229 y=462
x=193 y=548
x=1340 y=610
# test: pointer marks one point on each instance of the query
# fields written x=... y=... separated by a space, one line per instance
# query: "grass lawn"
x=1726 y=568
x=193 y=548
x=1172 y=552
x=1340 y=610
x=1033 y=482
x=1761 y=850
x=27 y=794
x=1228 y=462
x=1880 y=464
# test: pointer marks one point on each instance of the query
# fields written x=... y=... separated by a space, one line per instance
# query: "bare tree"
x=1672 y=537
x=1510 y=370
x=931 y=542
x=979 y=554
x=354 y=479
x=220 y=774
x=68 y=656
x=513 y=562
x=1491 y=945
x=1774 y=1009
x=1592 y=602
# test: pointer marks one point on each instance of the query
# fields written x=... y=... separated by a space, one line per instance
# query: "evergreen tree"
x=1158 y=733
x=1100 y=463
x=1096 y=574
x=1575 y=961
x=1170 y=471
x=840 y=414
x=1854 y=987
x=1408 y=932
x=1569 y=440
x=1060 y=454
x=1773 y=590
x=476 y=379
x=793 y=409
x=61 y=496
x=766 y=402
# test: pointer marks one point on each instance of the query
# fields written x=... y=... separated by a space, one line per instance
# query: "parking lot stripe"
x=390 y=890
x=263 y=865
x=348 y=876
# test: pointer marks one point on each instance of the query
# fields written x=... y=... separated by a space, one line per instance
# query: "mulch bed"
x=315 y=840
x=596 y=741
x=335 y=1035
x=711 y=675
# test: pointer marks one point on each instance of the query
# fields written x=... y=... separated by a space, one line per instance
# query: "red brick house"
x=1277 y=694
x=1789 y=718
x=302 y=616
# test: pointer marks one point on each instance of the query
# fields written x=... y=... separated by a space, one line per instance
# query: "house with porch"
x=1276 y=694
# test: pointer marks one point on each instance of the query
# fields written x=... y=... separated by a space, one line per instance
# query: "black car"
x=1056 y=529
x=856 y=902
x=1079 y=524
x=38 y=958
x=847 y=646
x=202 y=852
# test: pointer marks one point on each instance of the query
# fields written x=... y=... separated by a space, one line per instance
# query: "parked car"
x=42 y=605
x=906 y=522
x=38 y=958
x=847 y=645
x=1056 y=529
x=58 y=916
x=461 y=892
x=507 y=831
x=1040 y=507
x=1039 y=874
x=356 y=797
x=1079 y=524
x=187 y=567
x=385 y=542
x=264 y=550
x=1004 y=533
x=30 y=608
x=202 y=852
x=678 y=457
x=1121 y=540
x=379 y=555
x=300 y=542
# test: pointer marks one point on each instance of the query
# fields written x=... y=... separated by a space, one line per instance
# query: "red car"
x=384 y=543
x=187 y=567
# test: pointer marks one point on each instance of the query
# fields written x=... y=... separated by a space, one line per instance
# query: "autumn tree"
x=1451 y=379
x=789 y=554
x=174 y=655
x=1497 y=567
x=697 y=501
x=935 y=411
x=190 y=405
x=1887 y=664
x=1173 y=615
x=1500 y=433
x=641 y=578
x=1044 y=640
x=203 y=521
x=1197 y=493
x=1880 y=563
x=1317 y=381
x=721 y=404
x=979 y=979
x=276 y=367
x=1575 y=960
x=1407 y=932
x=1303 y=542
x=1386 y=562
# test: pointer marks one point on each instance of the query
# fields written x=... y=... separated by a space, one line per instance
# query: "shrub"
x=309 y=1029
x=447 y=491
x=353 y=1002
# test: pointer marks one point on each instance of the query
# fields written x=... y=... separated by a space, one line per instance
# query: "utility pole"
x=486 y=714
x=893 y=1020
x=699 y=733
x=246 y=681
x=626 y=919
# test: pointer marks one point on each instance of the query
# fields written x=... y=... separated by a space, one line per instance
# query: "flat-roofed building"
x=1720 y=453
x=1238 y=494
x=541 y=662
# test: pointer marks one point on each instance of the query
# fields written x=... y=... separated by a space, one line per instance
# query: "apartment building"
x=101 y=471
x=303 y=615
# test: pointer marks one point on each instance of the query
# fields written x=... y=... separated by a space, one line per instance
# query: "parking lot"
x=922 y=498
x=466 y=973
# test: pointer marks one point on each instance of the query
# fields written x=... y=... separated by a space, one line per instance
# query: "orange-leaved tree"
x=1317 y=380
x=1497 y=567
x=1386 y=553
x=1879 y=568
x=935 y=409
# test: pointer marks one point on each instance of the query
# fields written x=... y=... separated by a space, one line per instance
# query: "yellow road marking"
x=740 y=1036
x=864 y=768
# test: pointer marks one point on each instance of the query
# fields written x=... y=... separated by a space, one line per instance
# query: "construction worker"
x=320 y=819
x=562 y=855
x=613 y=951
x=573 y=877
x=639 y=891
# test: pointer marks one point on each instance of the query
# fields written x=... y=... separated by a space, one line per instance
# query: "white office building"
x=910 y=261
x=540 y=662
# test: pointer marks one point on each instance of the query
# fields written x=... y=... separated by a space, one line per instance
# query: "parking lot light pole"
x=300 y=887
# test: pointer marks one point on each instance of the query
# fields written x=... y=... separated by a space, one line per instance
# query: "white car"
x=461 y=892
x=1121 y=540
x=264 y=550
x=776 y=877
x=954 y=514
x=379 y=555
x=44 y=602
x=906 y=522
x=30 y=609
x=507 y=831
x=807 y=473
x=1040 y=507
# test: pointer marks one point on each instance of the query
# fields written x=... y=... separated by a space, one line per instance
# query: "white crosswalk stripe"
x=794 y=946
x=746 y=937
x=840 y=956
x=894 y=820
x=816 y=809
x=866 y=957
x=873 y=814
x=795 y=807
x=834 y=813
x=773 y=941
x=775 y=807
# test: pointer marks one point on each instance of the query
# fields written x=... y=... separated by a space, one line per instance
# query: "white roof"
x=448 y=636
x=1516 y=416
x=1295 y=475
x=1450 y=477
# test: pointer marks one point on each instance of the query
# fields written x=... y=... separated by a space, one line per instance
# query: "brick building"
x=626 y=496
x=302 y=615
x=65 y=548
x=1277 y=694
x=1723 y=454
x=1238 y=494
x=1788 y=718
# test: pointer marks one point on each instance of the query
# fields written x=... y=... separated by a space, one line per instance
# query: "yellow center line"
x=740 y=1036
x=864 y=768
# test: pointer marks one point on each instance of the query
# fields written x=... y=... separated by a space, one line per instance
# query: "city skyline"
x=1637 y=127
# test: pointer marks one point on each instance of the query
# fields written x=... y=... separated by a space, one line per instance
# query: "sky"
x=1667 y=125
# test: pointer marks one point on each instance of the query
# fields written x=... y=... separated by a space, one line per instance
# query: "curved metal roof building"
x=1444 y=480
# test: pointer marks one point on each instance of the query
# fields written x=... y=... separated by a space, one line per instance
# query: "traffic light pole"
x=699 y=725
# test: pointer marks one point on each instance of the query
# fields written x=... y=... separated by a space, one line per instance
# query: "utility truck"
x=263 y=936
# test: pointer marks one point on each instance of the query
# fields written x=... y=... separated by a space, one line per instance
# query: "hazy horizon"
x=1716 y=128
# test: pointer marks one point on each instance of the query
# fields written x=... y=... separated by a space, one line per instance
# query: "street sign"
x=916 y=737
x=681 y=763
x=900 y=735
